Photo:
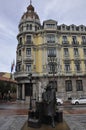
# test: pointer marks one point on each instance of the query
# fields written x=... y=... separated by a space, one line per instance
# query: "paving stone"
x=76 y=122
x=12 y=122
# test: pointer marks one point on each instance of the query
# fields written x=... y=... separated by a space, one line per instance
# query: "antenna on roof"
x=30 y=2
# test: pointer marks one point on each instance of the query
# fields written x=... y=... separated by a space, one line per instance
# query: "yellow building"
x=51 y=53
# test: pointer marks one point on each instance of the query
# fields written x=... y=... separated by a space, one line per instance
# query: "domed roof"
x=30 y=13
x=30 y=7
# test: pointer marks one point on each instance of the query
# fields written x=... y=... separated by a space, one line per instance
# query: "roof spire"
x=30 y=2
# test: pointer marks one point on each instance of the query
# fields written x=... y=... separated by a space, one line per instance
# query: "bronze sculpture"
x=46 y=109
x=49 y=103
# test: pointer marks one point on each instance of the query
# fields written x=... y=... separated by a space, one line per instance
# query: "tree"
x=6 y=87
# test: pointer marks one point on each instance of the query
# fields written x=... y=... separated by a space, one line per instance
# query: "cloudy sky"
x=63 y=11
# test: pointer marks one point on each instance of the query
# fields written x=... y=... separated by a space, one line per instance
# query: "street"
x=22 y=109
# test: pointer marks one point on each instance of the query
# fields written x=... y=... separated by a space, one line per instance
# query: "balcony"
x=20 y=74
x=19 y=45
x=19 y=58
x=65 y=43
x=76 y=56
x=28 y=58
x=29 y=42
x=68 y=72
x=83 y=43
x=75 y=43
x=74 y=73
x=54 y=59
x=51 y=42
x=66 y=56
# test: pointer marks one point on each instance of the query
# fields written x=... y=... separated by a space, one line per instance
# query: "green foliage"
x=5 y=87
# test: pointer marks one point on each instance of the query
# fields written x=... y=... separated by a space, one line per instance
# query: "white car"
x=81 y=100
x=59 y=101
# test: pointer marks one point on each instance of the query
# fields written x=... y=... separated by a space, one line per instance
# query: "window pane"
x=28 y=67
x=28 y=51
x=64 y=38
x=68 y=85
x=66 y=52
x=79 y=85
x=50 y=38
x=28 y=38
x=51 y=51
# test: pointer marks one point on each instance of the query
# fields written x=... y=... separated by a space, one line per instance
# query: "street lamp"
x=30 y=79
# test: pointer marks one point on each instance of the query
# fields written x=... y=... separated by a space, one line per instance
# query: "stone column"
x=23 y=92
x=40 y=91
x=17 y=92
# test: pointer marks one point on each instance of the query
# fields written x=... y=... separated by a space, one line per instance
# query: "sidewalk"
x=13 y=116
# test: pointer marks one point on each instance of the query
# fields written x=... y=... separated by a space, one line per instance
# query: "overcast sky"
x=64 y=11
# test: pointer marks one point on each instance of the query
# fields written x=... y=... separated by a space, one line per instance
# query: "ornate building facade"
x=40 y=45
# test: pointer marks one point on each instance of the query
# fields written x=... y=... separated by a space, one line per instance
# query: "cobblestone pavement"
x=14 y=115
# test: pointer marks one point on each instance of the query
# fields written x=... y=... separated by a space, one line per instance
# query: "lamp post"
x=30 y=79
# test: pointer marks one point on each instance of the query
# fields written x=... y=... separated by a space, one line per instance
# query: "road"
x=73 y=109
x=22 y=109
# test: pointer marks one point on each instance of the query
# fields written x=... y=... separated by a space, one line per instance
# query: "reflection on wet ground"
x=59 y=126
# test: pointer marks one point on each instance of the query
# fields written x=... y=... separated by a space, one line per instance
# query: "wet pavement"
x=13 y=116
x=59 y=126
x=13 y=108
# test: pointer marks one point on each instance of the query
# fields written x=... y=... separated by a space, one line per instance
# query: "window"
x=84 y=50
x=21 y=28
x=51 y=51
x=79 y=86
x=64 y=39
x=52 y=67
x=82 y=28
x=20 y=40
x=30 y=26
x=18 y=67
x=50 y=38
x=50 y=25
x=76 y=53
x=63 y=27
x=67 y=67
x=68 y=27
x=83 y=39
x=28 y=67
x=77 y=66
x=68 y=85
x=74 y=39
x=27 y=27
x=28 y=39
x=35 y=28
x=28 y=51
x=19 y=52
x=66 y=52
x=77 y=28
x=72 y=28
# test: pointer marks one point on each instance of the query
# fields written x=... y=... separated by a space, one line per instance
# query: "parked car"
x=59 y=101
x=81 y=100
